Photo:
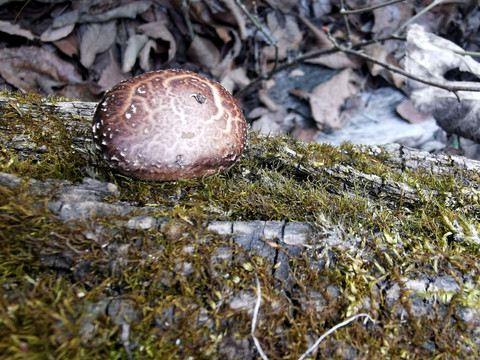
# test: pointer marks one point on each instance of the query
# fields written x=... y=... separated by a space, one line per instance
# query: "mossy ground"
x=43 y=308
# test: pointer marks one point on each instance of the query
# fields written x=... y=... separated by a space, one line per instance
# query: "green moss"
x=57 y=280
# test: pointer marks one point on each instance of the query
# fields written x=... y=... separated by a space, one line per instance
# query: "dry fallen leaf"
x=407 y=111
x=112 y=73
x=28 y=68
x=68 y=45
x=157 y=30
x=284 y=6
x=327 y=98
x=134 y=44
x=234 y=78
x=378 y=52
x=52 y=34
x=270 y=122
x=129 y=10
x=96 y=38
x=204 y=52
x=15 y=29
x=145 y=60
x=430 y=56
x=286 y=33
x=338 y=60
x=239 y=17
x=389 y=18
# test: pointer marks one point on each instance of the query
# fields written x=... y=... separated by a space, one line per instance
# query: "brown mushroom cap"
x=169 y=125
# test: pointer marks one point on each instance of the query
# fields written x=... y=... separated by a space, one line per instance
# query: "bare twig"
x=345 y=21
x=420 y=13
x=452 y=88
x=186 y=17
x=282 y=67
x=270 y=39
x=370 y=8
x=465 y=52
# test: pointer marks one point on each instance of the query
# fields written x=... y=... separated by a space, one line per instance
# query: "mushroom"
x=169 y=125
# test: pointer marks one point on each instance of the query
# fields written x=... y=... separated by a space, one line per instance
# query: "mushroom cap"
x=169 y=125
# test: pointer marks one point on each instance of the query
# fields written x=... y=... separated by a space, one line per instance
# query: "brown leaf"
x=96 y=38
x=15 y=29
x=305 y=134
x=407 y=111
x=389 y=18
x=134 y=44
x=270 y=122
x=204 y=52
x=337 y=60
x=238 y=15
x=378 y=52
x=284 y=6
x=111 y=74
x=327 y=98
x=52 y=34
x=234 y=78
x=157 y=30
x=144 y=55
x=129 y=10
x=68 y=45
x=27 y=68
x=287 y=35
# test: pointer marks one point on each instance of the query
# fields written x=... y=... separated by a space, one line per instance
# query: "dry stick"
x=284 y=66
x=314 y=346
x=264 y=32
x=345 y=21
x=420 y=13
x=451 y=88
x=370 y=8
x=184 y=8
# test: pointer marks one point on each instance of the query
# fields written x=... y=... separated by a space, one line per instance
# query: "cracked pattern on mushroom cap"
x=169 y=125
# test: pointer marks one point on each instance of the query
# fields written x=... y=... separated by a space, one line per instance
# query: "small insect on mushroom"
x=169 y=125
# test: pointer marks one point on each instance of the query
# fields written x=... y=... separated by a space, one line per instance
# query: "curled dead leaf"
x=15 y=29
x=286 y=33
x=157 y=30
x=96 y=38
x=204 y=52
x=134 y=44
x=27 y=68
x=378 y=52
x=52 y=34
x=327 y=98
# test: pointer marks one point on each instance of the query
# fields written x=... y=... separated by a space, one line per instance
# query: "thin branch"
x=420 y=13
x=282 y=67
x=465 y=52
x=370 y=8
x=451 y=88
x=270 y=39
x=345 y=21
x=186 y=17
